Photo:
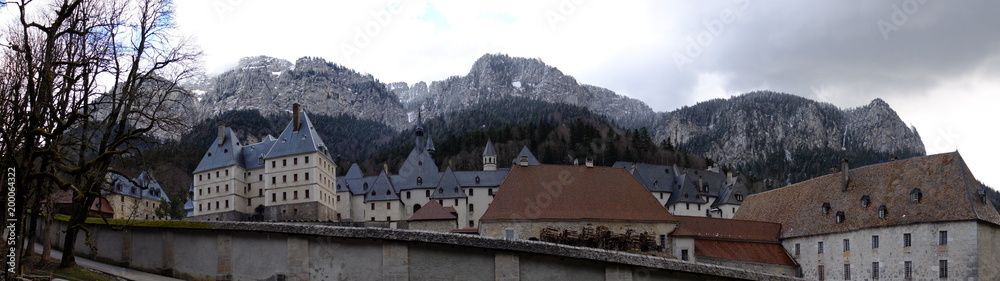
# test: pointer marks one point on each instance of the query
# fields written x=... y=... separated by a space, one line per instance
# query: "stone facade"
x=531 y=229
x=964 y=252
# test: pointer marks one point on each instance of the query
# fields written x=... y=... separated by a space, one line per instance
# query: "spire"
x=430 y=145
x=489 y=157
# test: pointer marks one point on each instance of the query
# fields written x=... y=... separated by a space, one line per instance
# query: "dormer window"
x=916 y=195
x=366 y=186
x=456 y=189
x=656 y=183
x=865 y=201
x=739 y=197
x=477 y=179
x=840 y=217
x=420 y=180
x=882 y=211
x=388 y=192
x=373 y=193
x=826 y=208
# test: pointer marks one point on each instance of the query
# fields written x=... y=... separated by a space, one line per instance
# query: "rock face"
x=498 y=76
x=272 y=85
x=756 y=125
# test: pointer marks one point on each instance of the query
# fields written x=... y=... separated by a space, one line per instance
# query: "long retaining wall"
x=287 y=251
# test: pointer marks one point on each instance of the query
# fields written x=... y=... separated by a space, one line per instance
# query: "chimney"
x=590 y=162
x=701 y=184
x=385 y=167
x=222 y=131
x=845 y=177
x=524 y=161
x=634 y=166
x=296 y=119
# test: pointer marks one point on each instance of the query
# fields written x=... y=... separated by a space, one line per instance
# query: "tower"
x=489 y=157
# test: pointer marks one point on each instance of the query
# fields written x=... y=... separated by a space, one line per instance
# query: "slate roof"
x=486 y=178
x=948 y=187
x=291 y=142
x=432 y=211
x=489 y=148
x=354 y=172
x=577 y=193
x=222 y=155
x=418 y=164
x=252 y=153
x=381 y=190
x=656 y=178
x=448 y=187
x=145 y=186
x=525 y=152
x=686 y=191
x=728 y=196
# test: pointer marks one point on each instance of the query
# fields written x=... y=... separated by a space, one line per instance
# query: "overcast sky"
x=936 y=63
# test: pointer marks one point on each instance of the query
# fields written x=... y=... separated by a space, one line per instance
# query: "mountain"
x=497 y=76
x=806 y=136
x=272 y=85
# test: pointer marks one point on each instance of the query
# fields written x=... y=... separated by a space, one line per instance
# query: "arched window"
x=388 y=192
x=840 y=217
x=366 y=186
x=477 y=179
x=656 y=183
x=882 y=211
x=826 y=208
x=739 y=197
x=416 y=207
x=420 y=180
x=865 y=201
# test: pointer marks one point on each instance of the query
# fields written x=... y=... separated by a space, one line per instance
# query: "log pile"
x=601 y=237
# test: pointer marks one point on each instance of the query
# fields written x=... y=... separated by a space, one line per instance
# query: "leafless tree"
x=90 y=80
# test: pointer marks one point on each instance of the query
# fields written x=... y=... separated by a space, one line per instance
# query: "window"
x=470 y=192
x=508 y=233
x=284 y=162
x=216 y=189
x=295 y=161
x=908 y=269
x=826 y=208
x=847 y=245
x=684 y=255
x=338 y=198
x=284 y=178
x=284 y=196
x=427 y=193
x=307 y=160
x=260 y=177
x=307 y=176
x=388 y=205
x=477 y=179
x=199 y=194
x=295 y=177
x=687 y=205
x=663 y=240
x=915 y=195
x=819 y=247
x=943 y=238
x=199 y=207
x=865 y=201
x=943 y=270
x=875 y=274
x=199 y=177
x=420 y=180
x=216 y=173
x=373 y=206
x=882 y=212
x=216 y=205
x=307 y=193
x=274 y=180
x=906 y=240
x=490 y=191
x=472 y=207
x=227 y=203
x=248 y=202
x=260 y=192
x=472 y=224
x=739 y=197
x=295 y=194
x=274 y=197
x=227 y=173
x=821 y=272
x=840 y=217
x=227 y=188
x=797 y=248
x=847 y=272
x=874 y=241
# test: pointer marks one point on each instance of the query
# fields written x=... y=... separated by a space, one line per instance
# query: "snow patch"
x=276 y=73
x=516 y=84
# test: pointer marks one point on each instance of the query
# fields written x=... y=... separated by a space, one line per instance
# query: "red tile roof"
x=949 y=193
x=467 y=230
x=743 y=251
x=727 y=229
x=432 y=211
x=574 y=193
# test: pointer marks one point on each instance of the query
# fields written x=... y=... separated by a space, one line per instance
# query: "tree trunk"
x=76 y=222
x=47 y=233
x=30 y=243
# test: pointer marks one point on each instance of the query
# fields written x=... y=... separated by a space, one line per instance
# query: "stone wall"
x=528 y=229
x=962 y=252
x=433 y=225
x=989 y=247
x=287 y=251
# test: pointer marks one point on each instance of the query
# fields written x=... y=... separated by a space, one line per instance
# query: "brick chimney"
x=296 y=119
x=222 y=131
x=844 y=175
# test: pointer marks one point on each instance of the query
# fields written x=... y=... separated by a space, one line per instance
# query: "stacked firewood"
x=602 y=237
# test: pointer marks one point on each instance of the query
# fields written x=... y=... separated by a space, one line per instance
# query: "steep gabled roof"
x=448 y=187
x=525 y=152
x=949 y=193
x=432 y=211
x=253 y=153
x=657 y=178
x=292 y=142
x=418 y=164
x=226 y=154
x=381 y=190
x=729 y=194
x=354 y=172
x=576 y=193
x=685 y=191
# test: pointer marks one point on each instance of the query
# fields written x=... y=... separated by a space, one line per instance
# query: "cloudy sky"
x=937 y=63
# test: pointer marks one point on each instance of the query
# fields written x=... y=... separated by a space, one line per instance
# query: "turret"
x=489 y=157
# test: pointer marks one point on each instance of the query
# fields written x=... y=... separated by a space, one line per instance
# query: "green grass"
x=80 y=273
x=144 y=223
x=35 y=268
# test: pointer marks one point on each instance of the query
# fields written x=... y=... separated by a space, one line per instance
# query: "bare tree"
x=91 y=80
